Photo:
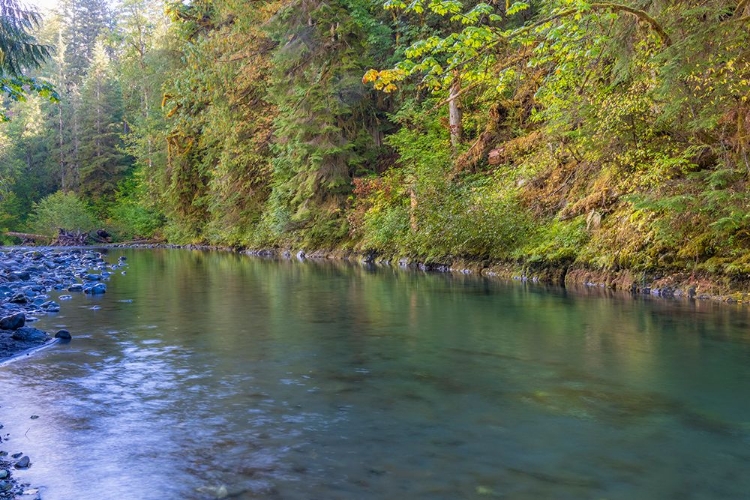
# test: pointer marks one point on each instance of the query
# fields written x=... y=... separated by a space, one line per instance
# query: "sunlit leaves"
x=517 y=7
x=18 y=87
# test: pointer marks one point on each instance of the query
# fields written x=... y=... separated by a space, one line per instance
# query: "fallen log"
x=29 y=238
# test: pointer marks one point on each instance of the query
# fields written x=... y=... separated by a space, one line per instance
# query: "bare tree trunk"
x=413 y=210
x=455 y=113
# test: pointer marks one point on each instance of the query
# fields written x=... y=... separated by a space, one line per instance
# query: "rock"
x=23 y=463
x=63 y=334
x=19 y=298
x=77 y=287
x=301 y=255
x=29 y=334
x=4 y=473
x=96 y=289
x=20 y=275
x=50 y=306
x=5 y=485
x=13 y=322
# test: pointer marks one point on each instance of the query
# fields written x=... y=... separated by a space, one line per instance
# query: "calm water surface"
x=209 y=375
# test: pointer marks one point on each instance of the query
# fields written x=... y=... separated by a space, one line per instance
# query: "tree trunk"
x=455 y=113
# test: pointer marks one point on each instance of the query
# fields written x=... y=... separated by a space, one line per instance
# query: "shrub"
x=62 y=210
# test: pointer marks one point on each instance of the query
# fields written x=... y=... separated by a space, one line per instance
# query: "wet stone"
x=19 y=298
x=23 y=463
x=13 y=322
x=29 y=334
x=50 y=306
x=63 y=335
x=96 y=289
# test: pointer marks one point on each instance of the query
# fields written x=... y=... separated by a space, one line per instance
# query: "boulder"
x=13 y=322
x=63 y=335
x=29 y=334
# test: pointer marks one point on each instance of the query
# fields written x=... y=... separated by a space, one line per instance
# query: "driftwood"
x=67 y=238
x=64 y=238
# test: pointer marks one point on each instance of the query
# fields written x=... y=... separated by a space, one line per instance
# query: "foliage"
x=62 y=210
x=599 y=134
x=19 y=51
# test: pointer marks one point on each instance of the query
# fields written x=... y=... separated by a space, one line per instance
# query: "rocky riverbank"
x=666 y=284
x=27 y=277
x=663 y=284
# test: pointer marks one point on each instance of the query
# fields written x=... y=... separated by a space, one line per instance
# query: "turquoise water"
x=211 y=375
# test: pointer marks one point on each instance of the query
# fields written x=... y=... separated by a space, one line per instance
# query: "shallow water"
x=207 y=375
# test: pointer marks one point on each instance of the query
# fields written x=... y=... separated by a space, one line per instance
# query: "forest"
x=561 y=133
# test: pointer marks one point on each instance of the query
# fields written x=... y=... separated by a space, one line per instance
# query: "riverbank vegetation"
x=603 y=135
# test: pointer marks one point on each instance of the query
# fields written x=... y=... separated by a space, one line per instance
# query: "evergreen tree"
x=83 y=22
x=320 y=141
x=102 y=163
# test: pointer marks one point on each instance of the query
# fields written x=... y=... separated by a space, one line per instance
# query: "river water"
x=213 y=375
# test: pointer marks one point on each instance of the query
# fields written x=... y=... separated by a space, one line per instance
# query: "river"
x=203 y=375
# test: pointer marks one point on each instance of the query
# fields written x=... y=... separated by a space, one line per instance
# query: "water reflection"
x=208 y=375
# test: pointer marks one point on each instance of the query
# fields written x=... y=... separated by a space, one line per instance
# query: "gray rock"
x=63 y=334
x=19 y=298
x=23 y=463
x=29 y=334
x=5 y=485
x=50 y=306
x=77 y=287
x=4 y=473
x=20 y=275
x=13 y=322
x=96 y=289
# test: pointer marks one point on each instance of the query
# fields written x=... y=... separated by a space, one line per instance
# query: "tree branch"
x=615 y=7
x=740 y=8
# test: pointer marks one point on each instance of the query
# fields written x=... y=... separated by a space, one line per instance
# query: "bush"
x=133 y=221
x=62 y=210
